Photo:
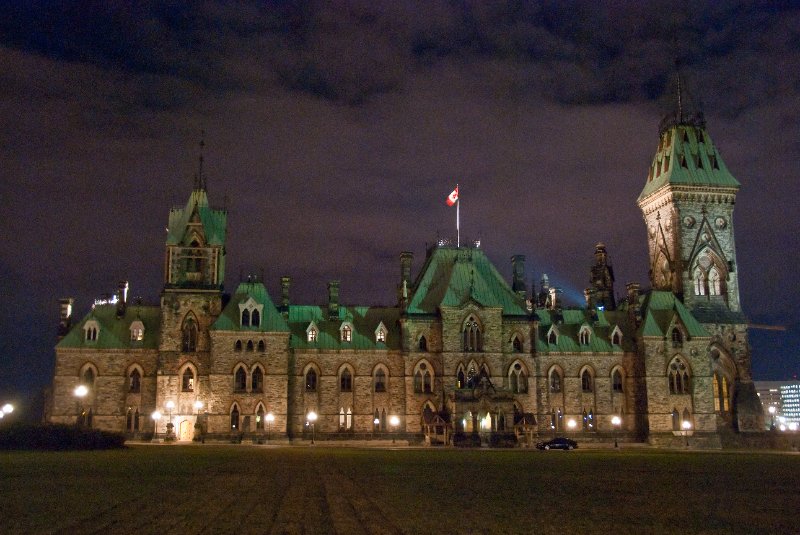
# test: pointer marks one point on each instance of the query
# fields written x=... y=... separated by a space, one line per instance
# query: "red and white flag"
x=453 y=197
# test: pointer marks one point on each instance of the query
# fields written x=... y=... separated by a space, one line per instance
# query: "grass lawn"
x=247 y=489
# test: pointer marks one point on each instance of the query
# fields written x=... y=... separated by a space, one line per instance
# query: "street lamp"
x=312 y=417
x=616 y=421
x=686 y=426
x=8 y=408
x=772 y=417
x=156 y=416
x=197 y=405
x=571 y=424
x=270 y=418
x=394 y=421
x=376 y=423
x=80 y=392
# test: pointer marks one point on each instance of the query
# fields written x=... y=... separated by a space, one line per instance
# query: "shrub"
x=55 y=437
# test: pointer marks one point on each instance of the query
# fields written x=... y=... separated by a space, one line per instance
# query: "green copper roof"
x=364 y=321
x=686 y=156
x=214 y=222
x=270 y=321
x=658 y=310
x=454 y=276
x=114 y=332
x=568 y=324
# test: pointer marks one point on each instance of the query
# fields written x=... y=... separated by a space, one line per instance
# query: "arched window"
x=616 y=338
x=255 y=318
x=714 y=286
x=555 y=381
x=473 y=338
x=587 y=381
x=552 y=337
x=237 y=346
x=584 y=336
x=721 y=399
x=678 y=377
x=260 y=417
x=262 y=346
x=132 y=420
x=699 y=282
x=88 y=377
x=250 y=346
x=423 y=379
x=516 y=344
x=235 y=417
x=461 y=381
x=616 y=381
x=135 y=382
x=676 y=420
x=245 y=318
x=187 y=380
x=423 y=344
x=189 y=335
x=311 y=380
x=472 y=376
x=240 y=380
x=346 y=381
x=312 y=335
x=517 y=379
x=347 y=333
x=677 y=337
x=380 y=380
x=258 y=379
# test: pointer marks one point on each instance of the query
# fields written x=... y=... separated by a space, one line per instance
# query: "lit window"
x=312 y=335
x=137 y=331
x=187 y=381
x=347 y=333
x=380 y=337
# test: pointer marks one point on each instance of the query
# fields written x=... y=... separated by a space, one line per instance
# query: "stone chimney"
x=333 y=300
x=122 y=298
x=544 y=293
x=286 y=283
x=633 y=302
x=406 y=257
x=65 y=322
x=518 y=275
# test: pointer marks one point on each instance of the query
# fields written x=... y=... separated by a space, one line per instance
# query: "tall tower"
x=602 y=279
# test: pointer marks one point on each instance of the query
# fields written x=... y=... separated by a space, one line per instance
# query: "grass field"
x=247 y=489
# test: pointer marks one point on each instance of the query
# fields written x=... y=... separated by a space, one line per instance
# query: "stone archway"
x=185 y=431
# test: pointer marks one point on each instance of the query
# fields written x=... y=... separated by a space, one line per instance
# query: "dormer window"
x=91 y=329
x=380 y=334
x=552 y=336
x=312 y=332
x=346 y=332
x=616 y=336
x=137 y=331
x=250 y=313
x=585 y=335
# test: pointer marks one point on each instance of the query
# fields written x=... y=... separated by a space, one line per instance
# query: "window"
x=587 y=381
x=245 y=318
x=311 y=380
x=250 y=346
x=260 y=418
x=187 y=380
x=235 y=418
x=347 y=333
x=616 y=381
x=677 y=337
x=555 y=381
x=472 y=376
x=516 y=344
x=473 y=340
x=678 y=377
x=237 y=346
x=584 y=335
x=262 y=346
x=312 y=335
x=460 y=378
x=91 y=329
x=699 y=282
x=676 y=420
x=137 y=331
x=552 y=337
x=423 y=379
x=380 y=380
x=714 y=286
x=517 y=380
x=720 y=388
x=135 y=382
x=345 y=419
x=189 y=335
x=423 y=344
x=88 y=377
x=346 y=381
x=255 y=319
x=240 y=380
x=132 y=420
x=616 y=337
x=380 y=334
x=258 y=379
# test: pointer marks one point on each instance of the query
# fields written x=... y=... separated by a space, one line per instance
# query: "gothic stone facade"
x=462 y=356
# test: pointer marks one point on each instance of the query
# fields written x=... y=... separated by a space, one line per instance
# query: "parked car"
x=559 y=443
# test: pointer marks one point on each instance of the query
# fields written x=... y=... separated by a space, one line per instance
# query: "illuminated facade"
x=461 y=357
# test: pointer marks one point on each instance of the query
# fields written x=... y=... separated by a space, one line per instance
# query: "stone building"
x=463 y=357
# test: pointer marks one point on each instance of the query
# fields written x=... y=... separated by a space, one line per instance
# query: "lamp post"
x=156 y=416
x=80 y=392
x=686 y=426
x=616 y=421
x=376 y=425
x=170 y=427
x=394 y=421
x=270 y=418
x=312 y=417
x=8 y=408
x=772 y=417
x=571 y=424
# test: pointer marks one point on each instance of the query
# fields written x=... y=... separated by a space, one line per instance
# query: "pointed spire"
x=199 y=179
x=692 y=117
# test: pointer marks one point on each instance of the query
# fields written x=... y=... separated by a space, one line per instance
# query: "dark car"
x=559 y=443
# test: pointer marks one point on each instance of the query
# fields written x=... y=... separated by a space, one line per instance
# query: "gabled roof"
x=214 y=222
x=693 y=161
x=231 y=320
x=365 y=321
x=660 y=308
x=454 y=276
x=114 y=332
x=568 y=323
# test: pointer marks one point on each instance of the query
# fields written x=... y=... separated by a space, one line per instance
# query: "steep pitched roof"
x=214 y=222
x=364 y=320
x=568 y=323
x=230 y=319
x=114 y=332
x=659 y=308
x=686 y=156
x=453 y=276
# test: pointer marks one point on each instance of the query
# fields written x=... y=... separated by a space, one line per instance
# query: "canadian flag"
x=453 y=197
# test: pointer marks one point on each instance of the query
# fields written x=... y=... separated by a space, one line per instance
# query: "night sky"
x=334 y=132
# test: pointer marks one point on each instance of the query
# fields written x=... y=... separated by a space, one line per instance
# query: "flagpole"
x=458 y=218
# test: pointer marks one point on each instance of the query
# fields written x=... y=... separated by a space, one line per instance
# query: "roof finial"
x=201 y=182
x=680 y=91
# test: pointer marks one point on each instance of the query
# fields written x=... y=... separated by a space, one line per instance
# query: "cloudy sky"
x=334 y=131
